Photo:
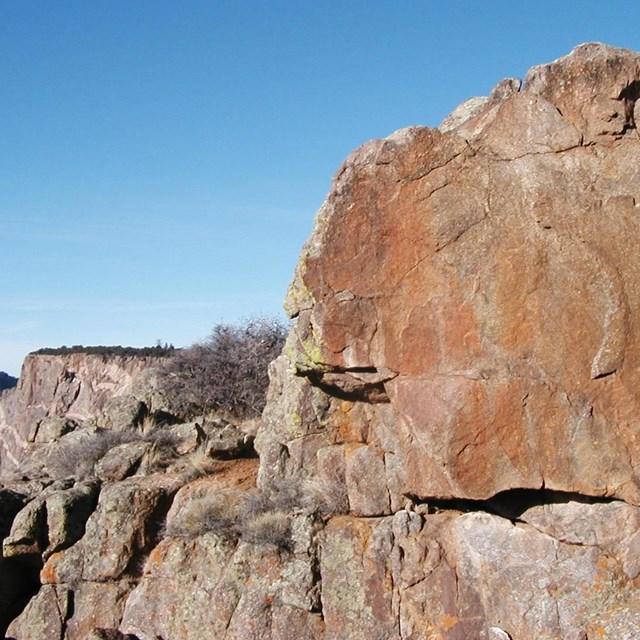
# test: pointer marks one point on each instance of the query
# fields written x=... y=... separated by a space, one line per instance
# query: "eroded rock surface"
x=477 y=291
x=56 y=393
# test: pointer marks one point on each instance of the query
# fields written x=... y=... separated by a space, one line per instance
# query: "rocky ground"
x=450 y=447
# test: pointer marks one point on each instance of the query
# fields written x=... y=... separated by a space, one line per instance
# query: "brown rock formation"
x=481 y=286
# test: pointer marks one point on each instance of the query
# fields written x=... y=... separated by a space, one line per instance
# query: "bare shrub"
x=267 y=514
x=227 y=372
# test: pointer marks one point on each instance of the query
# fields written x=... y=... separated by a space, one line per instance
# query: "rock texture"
x=450 y=447
x=55 y=393
x=481 y=287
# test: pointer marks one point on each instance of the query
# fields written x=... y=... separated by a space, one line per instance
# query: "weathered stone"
x=27 y=531
x=122 y=530
x=188 y=436
x=224 y=440
x=121 y=461
x=43 y=617
x=595 y=88
x=53 y=521
x=51 y=429
x=489 y=280
x=463 y=112
x=97 y=605
x=123 y=412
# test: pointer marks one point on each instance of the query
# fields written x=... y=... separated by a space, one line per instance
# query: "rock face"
x=473 y=295
x=450 y=447
x=55 y=392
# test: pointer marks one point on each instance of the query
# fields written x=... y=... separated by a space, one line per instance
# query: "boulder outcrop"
x=471 y=296
x=450 y=448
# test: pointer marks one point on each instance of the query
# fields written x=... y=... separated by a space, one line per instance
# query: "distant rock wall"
x=76 y=386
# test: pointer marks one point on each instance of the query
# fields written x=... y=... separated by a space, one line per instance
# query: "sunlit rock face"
x=77 y=387
x=469 y=302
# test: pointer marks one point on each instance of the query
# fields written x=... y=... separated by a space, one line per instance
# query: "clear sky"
x=162 y=161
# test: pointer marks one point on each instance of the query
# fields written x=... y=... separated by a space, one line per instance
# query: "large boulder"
x=468 y=303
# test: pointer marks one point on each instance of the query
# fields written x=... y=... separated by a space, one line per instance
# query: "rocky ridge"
x=450 y=444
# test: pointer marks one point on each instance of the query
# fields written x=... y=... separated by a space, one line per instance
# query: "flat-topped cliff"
x=77 y=386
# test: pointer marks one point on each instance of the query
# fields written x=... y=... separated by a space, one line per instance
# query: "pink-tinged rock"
x=482 y=283
x=121 y=531
x=452 y=576
x=189 y=589
x=96 y=605
x=44 y=616
x=357 y=585
x=195 y=589
x=72 y=387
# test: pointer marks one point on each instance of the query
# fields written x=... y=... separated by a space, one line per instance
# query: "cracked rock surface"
x=490 y=273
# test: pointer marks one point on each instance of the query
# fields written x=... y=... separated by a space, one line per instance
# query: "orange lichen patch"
x=158 y=555
x=350 y=425
x=448 y=621
x=605 y=566
x=48 y=574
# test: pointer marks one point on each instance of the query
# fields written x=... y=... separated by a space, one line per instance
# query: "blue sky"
x=162 y=161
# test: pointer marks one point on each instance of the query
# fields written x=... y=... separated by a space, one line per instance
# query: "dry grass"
x=197 y=464
x=78 y=456
x=216 y=513
x=263 y=517
x=269 y=528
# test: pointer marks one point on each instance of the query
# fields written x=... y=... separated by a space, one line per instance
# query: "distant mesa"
x=7 y=381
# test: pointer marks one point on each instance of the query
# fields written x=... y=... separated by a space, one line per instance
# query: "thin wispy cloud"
x=24 y=326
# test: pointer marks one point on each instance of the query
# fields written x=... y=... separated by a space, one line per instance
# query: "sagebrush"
x=227 y=373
